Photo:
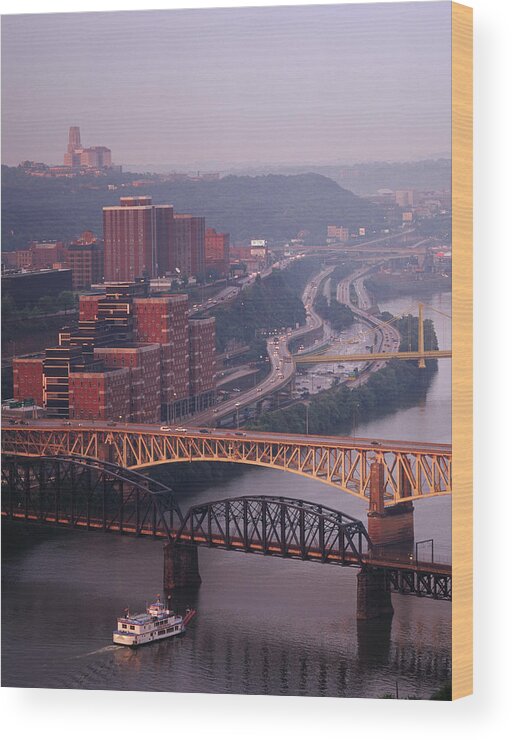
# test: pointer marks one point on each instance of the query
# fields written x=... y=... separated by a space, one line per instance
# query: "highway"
x=187 y=430
x=282 y=368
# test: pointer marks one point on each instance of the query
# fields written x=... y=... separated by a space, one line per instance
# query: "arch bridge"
x=409 y=470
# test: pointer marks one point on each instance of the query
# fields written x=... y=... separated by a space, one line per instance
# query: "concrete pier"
x=390 y=525
x=373 y=595
x=181 y=566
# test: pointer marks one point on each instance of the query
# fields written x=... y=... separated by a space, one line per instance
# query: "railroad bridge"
x=93 y=495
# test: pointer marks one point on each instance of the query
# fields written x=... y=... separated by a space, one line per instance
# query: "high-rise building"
x=188 y=248
x=216 y=253
x=100 y=394
x=202 y=363
x=165 y=321
x=137 y=239
x=86 y=264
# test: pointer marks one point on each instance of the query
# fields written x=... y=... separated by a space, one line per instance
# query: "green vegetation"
x=32 y=319
x=337 y=410
x=269 y=304
x=269 y=207
x=337 y=314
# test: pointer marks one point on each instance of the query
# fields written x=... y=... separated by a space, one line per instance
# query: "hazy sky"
x=202 y=88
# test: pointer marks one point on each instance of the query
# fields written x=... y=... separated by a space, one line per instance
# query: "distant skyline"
x=228 y=88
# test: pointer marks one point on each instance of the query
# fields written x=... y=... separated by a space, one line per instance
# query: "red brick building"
x=100 y=395
x=86 y=264
x=202 y=363
x=168 y=361
x=216 y=253
x=143 y=363
x=137 y=238
x=27 y=375
x=165 y=321
x=188 y=247
x=88 y=307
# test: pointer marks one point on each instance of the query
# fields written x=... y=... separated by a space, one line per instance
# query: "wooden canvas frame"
x=462 y=343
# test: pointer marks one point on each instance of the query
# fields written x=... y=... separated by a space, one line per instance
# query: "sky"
x=224 y=88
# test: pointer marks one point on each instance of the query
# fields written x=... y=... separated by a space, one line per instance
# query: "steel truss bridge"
x=411 y=470
x=90 y=495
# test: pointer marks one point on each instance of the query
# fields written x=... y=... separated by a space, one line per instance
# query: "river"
x=264 y=625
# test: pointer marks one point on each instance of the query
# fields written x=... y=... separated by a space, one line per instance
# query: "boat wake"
x=106 y=649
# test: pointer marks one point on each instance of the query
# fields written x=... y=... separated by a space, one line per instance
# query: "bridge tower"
x=390 y=525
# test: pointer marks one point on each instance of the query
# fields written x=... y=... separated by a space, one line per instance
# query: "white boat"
x=156 y=623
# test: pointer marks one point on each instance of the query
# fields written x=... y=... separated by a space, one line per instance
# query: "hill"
x=273 y=207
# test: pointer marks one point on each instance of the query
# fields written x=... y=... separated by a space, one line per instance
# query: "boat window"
x=132 y=626
x=123 y=626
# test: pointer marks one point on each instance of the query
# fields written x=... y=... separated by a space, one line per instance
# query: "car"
x=259 y=390
x=165 y=429
x=375 y=443
x=204 y=431
x=180 y=429
x=67 y=423
x=240 y=434
x=21 y=421
x=236 y=390
x=111 y=423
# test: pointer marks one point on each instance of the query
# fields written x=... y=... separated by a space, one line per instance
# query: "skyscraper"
x=137 y=239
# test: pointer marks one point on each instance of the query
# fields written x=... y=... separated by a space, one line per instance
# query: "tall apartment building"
x=137 y=238
x=144 y=379
x=100 y=394
x=188 y=248
x=216 y=252
x=165 y=321
x=202 y=363
x=86 y=264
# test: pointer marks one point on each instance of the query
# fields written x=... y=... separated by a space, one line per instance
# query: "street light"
x=237 y=406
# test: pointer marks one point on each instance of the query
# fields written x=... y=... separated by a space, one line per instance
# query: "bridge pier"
x=373 y=594
x=181 y=566
x=390 y=525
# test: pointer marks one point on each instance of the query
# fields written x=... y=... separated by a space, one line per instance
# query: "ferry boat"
x=156 y=623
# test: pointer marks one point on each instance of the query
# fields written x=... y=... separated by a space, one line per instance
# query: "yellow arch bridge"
x=406 y=470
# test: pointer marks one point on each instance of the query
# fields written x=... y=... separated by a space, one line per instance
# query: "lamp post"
x=237 y=407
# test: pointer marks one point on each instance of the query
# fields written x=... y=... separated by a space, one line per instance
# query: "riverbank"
x=399 y=384
x=383 y=286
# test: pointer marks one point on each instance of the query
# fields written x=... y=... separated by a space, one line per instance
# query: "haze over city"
x=231 y=88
